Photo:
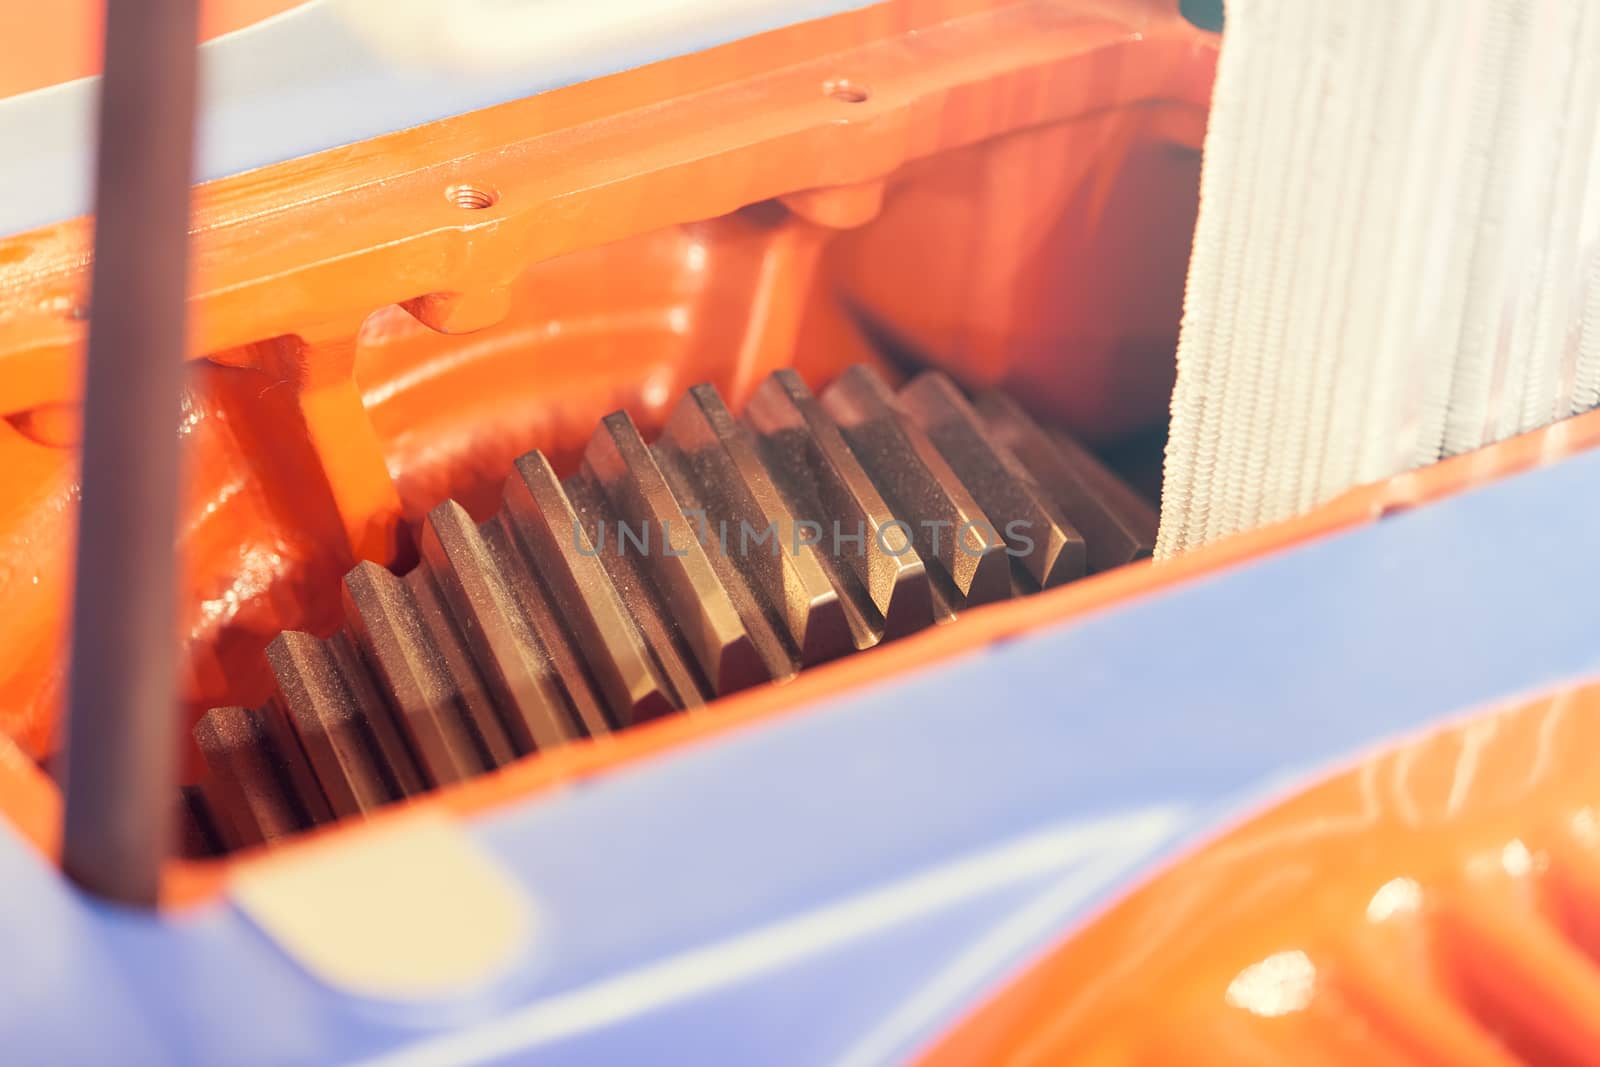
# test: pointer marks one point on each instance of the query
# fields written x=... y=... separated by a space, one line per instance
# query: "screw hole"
x=846 y=92
x=471 y=197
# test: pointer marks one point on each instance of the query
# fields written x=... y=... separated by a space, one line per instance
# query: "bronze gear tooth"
x=1118 y=526
x=531 y=700
x=663 y=639
x=947 y=526
x=331 y=725
x=619 y=460
x=466 y=685
x=1045 y=546
x=249 y=790
x=549 y=532
x=388 y=628
x=819 y=475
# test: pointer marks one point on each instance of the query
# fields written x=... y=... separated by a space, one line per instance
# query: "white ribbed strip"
x=1398 y=251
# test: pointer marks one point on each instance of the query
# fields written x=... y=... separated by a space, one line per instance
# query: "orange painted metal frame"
x=379 y=326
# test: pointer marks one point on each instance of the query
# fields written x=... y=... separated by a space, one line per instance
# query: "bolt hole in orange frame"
x=471 y=197
x=846 y=92
x=1012 y=201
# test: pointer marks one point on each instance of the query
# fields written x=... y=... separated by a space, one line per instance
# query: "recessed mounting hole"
x=846 y=92
x=471 y=197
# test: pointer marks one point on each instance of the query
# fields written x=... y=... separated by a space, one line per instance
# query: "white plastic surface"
x=1397 y=257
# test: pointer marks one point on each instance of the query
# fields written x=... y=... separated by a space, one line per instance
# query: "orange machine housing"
x=384 y=325
x=380 y=326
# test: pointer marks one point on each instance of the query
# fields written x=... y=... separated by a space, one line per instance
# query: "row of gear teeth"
x=733 y=551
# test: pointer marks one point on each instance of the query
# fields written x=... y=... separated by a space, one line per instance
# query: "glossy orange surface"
x=380 y=326
x=1435 y=903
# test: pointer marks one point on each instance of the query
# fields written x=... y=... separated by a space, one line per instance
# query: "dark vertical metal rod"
x=122 y=729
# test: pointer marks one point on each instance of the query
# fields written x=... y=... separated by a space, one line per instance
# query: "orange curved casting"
x=383 y=325
x=1434 y=903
